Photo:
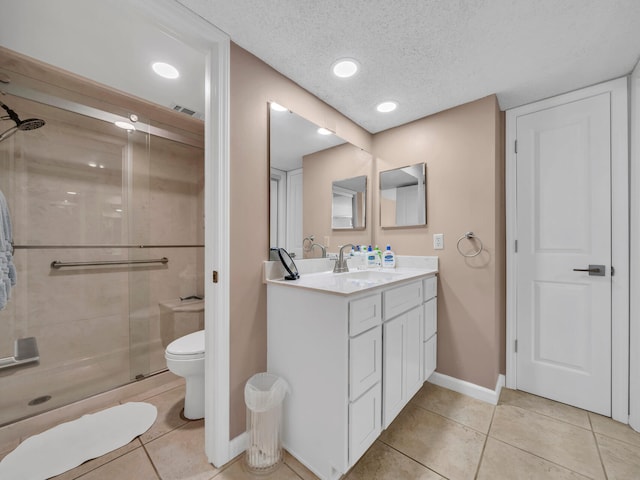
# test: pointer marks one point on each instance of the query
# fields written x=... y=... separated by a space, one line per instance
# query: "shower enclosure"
x=121 y=212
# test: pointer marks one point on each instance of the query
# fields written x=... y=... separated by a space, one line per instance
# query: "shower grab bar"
x=56 y=264
x=54 y=247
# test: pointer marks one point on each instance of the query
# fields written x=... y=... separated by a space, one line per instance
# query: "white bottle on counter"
x=371 y=258
x=389 y=258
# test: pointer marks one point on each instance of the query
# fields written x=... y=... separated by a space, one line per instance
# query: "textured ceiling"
x=430 y=55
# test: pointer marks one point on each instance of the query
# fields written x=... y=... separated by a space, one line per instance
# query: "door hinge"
x=215 y=276
x=516 y=246
x=613 y=271
x=515 y=146
x=515 y=346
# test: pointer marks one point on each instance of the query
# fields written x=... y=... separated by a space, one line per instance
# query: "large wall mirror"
x=308 y=166
x=403 y=196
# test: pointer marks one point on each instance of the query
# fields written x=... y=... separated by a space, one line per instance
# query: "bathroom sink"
x=375 y=276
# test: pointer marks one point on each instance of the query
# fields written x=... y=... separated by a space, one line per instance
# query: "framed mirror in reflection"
x=304 y=165
x=349 y=203
x=403 y=196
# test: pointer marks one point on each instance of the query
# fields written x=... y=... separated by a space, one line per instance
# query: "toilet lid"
x=187 y=345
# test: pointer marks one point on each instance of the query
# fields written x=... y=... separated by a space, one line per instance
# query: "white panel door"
x=564 y=223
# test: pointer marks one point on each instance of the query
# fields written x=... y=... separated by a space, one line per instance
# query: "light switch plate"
x=438 y=241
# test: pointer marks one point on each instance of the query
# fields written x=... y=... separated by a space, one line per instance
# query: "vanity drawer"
x=401 y=299
x=365 y=422
x=364 y=313
x=365 y=361
x=430 y=356
x=430 y=286
x=430 y=318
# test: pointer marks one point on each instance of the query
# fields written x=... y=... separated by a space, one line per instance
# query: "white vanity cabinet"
x=352 y=361
x=329 y=349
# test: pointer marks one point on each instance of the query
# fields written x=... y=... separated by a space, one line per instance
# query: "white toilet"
x=185 y=357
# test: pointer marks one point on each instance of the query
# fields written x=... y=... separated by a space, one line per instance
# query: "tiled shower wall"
x=96 y=327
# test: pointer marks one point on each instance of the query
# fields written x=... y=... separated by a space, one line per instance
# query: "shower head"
x=28 y=124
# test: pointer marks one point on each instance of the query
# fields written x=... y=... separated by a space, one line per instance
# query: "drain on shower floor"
x=39 y=400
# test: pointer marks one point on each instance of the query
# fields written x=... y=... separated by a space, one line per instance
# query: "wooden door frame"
x=619 y=235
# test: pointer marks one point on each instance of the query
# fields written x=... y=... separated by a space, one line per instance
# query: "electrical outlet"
x=438 y=241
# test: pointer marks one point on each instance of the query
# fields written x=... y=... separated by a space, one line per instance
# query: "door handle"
x=594 y=270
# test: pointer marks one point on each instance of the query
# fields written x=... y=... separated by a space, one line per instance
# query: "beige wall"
x=465 y=187
x=465 y=191
x=253 y=84
x=320 y=170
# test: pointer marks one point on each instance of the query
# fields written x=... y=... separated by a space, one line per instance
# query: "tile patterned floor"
x=439 y=435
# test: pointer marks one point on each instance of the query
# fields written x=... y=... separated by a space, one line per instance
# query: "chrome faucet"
x=323 y=249
x=341 y=262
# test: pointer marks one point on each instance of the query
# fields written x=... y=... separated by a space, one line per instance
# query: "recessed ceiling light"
x=165 y=70
x=386 y=107
x=72 y=193
x=278 y=108
x=92 y=164
x=345 y=68
x=124 y=125
x=324 y=131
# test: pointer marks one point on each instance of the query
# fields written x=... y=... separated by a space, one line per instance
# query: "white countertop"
x=355 y=281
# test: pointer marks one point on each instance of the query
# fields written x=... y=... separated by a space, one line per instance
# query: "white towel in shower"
x=7 y=267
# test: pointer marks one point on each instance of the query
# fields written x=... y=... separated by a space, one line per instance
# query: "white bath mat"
x=70 y=444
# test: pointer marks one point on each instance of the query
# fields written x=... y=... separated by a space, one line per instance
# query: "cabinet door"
x=413 y=364
x=430 y=356
x=430 y=318
x=364 y=423
x=430 y=287
x=365 y=362
x=364 y=313
x=392 y=370
x=402 y=299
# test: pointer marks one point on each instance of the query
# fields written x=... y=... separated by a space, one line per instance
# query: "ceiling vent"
x=187 y=111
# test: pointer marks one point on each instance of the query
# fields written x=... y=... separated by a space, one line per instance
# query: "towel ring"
x=469 y=236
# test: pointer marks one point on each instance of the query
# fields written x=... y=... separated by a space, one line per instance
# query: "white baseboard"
x=467 y=388
x=238 y=445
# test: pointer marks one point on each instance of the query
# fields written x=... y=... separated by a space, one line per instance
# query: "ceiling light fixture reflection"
x=165 y=70
x=324 y=131
x=276 y=107
x=345 y=68
x=386 y=107
x=72 y=193
x=101 y=166
x=125 y=126
x=92 y=164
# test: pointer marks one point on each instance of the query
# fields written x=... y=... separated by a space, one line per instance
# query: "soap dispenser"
x=389 y=258
x=371 y=258
x=378 y=253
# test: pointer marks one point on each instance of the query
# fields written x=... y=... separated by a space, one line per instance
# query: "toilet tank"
x=179 y=318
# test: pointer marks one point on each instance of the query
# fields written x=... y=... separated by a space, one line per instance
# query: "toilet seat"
x=189 y=347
